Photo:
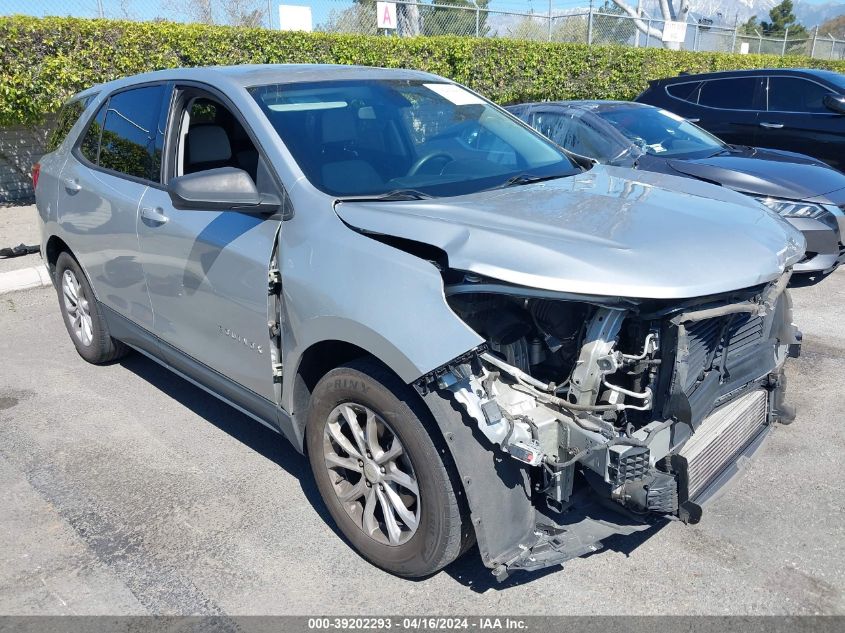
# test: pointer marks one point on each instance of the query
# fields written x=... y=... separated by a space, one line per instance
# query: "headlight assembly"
x=795 y=208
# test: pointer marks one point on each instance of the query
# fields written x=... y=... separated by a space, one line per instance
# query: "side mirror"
x=835 y=103
x=222 y=189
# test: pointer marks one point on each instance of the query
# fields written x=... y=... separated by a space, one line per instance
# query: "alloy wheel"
x=371 y=474
x=77 y=308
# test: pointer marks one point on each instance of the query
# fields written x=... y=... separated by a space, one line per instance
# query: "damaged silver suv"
x=473 y=335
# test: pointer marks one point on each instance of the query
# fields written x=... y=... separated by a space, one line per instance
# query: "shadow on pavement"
x=468 y=570
x=241 y=427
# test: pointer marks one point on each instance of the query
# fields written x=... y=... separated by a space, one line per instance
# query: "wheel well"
x=55 y=247
x=316 y=362
x=322 y=357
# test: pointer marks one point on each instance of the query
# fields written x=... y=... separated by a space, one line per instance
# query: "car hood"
x=610 y=231
x=765 y=173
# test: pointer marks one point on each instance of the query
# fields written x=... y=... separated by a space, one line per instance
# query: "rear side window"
x=791 y=94
x=124 y=135
x=730 y=94
x=687 y=91
x=68 y=115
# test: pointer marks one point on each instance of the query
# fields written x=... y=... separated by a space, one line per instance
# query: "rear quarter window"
x=687 y=91
x=68 y=115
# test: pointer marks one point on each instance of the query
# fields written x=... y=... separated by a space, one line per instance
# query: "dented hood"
x=610 y=231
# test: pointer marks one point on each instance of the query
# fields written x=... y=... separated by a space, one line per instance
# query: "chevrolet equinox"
x=474 y=335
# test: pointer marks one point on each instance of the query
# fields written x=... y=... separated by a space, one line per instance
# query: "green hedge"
x=45 y=60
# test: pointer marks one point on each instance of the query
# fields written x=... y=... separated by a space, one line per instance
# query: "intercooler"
x=718 y=440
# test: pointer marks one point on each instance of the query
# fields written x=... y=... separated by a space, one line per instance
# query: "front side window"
x=371 y=137
x=661 y=133
x=130 y=142
x=729 y=94
x=791 y=94
x=573 y=130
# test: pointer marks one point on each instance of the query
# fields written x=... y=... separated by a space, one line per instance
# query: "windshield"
x=661 y=133
x=373 y=137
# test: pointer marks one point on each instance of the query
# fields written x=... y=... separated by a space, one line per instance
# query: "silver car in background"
x=474 y=336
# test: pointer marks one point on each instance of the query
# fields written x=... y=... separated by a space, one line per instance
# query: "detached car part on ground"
x=473 y=335
x=804 y=190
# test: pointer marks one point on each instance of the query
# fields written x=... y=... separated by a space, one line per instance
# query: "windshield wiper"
x=395 y=195
x=526 y=179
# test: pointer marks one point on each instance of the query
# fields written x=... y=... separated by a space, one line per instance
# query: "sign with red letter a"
x=386 y=15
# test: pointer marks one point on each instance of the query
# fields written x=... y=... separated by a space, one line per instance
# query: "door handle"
x=771 y=126
x=72 y=185
x=696 y=120
x=154 y=215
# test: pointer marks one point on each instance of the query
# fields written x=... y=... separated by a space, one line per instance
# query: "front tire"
x=380 y=472
x=82 y=314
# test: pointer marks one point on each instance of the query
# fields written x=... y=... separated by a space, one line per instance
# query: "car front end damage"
x=589 y=416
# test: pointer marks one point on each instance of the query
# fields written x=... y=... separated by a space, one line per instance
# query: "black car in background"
x=798 y=110
x=805 y=191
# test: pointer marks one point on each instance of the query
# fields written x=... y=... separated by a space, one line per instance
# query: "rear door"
x=797 y=120
x=116 y=159
x=729 y=108
x=207 y=271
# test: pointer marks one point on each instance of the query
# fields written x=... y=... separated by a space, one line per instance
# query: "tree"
x=750 y=27
x=783 y=22
x=608 y=29
x=667 y=10
x=232 y=12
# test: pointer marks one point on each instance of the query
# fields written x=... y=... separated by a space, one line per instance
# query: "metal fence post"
x=733 y=41
x=549 y=36
x=759 y=41
x=695 y=38
x=785 y=35
x=648 y=34
x=100 y=12
x=590 y=24
x=269 y=14
x=477 y=20
x=813 y=46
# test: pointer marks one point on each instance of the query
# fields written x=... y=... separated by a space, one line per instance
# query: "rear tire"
x=375 y=455
x=82 y=314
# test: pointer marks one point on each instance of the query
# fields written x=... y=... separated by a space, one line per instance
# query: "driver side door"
x=207 y=270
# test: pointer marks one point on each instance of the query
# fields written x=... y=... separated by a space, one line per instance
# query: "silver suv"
x=474 y=335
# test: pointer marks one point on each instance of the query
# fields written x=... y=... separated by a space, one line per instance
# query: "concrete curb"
x=24 y=279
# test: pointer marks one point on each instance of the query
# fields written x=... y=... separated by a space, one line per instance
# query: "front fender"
x=340 y=285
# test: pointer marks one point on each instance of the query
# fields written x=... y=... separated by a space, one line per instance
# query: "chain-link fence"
x=541 y=20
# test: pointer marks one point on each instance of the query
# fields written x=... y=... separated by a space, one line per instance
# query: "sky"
x=149 y=9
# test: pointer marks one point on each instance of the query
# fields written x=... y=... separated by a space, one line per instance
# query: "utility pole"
x=640 y=16
x=736 y=28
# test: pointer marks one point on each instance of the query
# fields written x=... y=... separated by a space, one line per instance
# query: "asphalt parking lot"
x=125 y=490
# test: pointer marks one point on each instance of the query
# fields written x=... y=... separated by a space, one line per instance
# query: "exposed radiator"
x=720 y=437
